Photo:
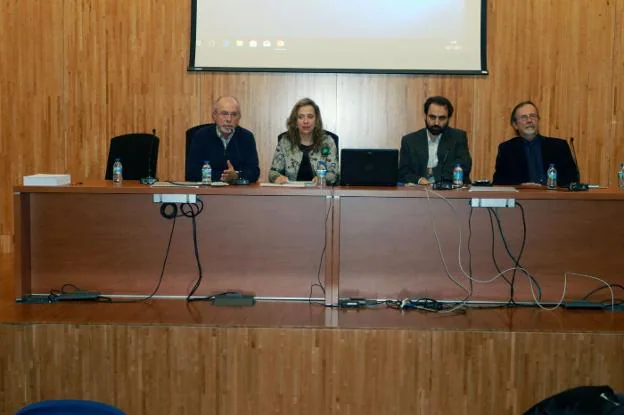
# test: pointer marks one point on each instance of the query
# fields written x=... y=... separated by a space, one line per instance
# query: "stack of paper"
x=47 y=180
x=289 y=184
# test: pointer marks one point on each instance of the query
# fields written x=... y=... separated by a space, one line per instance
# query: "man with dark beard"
x=430 y=154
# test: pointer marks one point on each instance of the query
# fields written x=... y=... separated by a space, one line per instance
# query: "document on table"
x=289 y=184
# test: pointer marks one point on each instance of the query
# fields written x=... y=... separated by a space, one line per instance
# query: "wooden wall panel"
x=85 y=98
x=564 y=64
x=75 y=73
x=126 y=72
x=616 y=146
x=158 y=369
x=31 y=83
x=377 y=110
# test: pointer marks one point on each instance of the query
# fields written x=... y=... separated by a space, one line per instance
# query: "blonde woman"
x=304 y=147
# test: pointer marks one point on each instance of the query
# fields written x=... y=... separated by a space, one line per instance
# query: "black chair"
x=138 y=154
x=189 y=135
x=329 y=133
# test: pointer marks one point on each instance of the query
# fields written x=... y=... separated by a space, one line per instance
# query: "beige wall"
x=74 y=73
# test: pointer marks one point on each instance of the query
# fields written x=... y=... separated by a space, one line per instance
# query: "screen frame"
x=483 y=71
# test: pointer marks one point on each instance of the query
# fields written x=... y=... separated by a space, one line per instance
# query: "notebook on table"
x=369 y=167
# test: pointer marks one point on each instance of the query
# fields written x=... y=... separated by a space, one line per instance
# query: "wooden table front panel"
x=388 y=247
x=116 y=243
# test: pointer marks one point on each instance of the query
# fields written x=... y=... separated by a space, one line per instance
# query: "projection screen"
x=385 y=36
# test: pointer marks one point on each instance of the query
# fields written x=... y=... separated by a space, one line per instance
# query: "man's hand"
x=531 y=185
x=423 y=181
x=229 y=174
x=281 y=180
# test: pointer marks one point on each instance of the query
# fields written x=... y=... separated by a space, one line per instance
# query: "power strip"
x=77 y=296
x=585 y=305
x=478 y=202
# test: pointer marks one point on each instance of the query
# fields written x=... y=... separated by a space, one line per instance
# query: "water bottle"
x=621 y=177
x=206 y=173
x=551 y=177
x=458 y=176
x=321 y=174
x=117 y=171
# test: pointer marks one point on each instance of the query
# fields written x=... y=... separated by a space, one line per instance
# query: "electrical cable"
x=319 y=283
x=162 y=269
x=469 y=251
x=435 y=232
x=493 y=252
x=467 y=275
x=594 y=291
x=192 y=210
x=168 y=211
x=516 y=261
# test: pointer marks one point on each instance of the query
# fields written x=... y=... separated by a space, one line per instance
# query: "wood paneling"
x=171 y=357
x=32 y=136
x=190 y=370
x=381 y=242
x=616 y=145
x=395 y=255
x=109 y=242
x=75 y=73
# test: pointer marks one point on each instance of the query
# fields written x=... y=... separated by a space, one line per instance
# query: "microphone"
x=441 y=165
x=443 y=184
x=575 y=159
x=448 y=150
x=576 y=186
x=149 y=180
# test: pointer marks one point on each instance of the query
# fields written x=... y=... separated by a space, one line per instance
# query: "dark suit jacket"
x=452 y=149
x=512 y=166
x=206 y=145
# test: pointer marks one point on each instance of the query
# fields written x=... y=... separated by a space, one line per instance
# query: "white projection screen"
x=371 y=36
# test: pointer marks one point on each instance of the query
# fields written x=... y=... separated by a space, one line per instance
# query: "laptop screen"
x=369 y=167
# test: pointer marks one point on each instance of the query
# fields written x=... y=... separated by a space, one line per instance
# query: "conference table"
x=323 y=244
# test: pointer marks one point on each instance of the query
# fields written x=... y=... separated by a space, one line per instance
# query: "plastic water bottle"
x=117 y=171
x=321 y=173
x=206 y=173
x=551 y=177
x=621 y=177
x=458 y=176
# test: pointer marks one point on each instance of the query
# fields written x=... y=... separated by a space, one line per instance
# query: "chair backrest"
x=189 y=134
x=69 y=407
x=138 y=153
x=329 y=133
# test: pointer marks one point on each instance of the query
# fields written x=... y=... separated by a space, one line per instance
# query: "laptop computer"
x=369 y=167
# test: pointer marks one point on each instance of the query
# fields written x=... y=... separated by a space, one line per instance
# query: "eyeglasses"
x=527 y=117
x=225 y=114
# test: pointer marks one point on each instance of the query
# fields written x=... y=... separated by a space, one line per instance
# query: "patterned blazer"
x=286 y=160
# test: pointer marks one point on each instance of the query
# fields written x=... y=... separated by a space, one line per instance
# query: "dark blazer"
x=452 y=149
x=512 y=166
x=206 y=145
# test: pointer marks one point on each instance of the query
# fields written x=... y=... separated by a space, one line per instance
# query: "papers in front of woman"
x=289 y=184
